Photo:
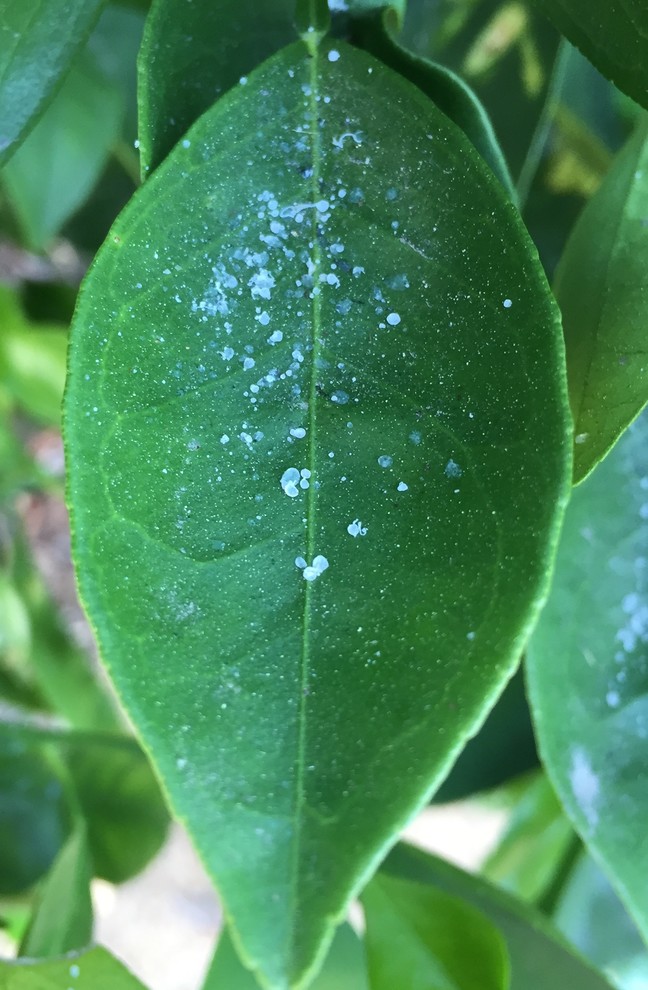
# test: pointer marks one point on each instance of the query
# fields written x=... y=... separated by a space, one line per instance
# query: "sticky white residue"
x=613 y=698
x=275 y=338
x=415 y=437
x=393 y=319
x=581 y=437
x=355 y=136
x=74 y=971
x=339 y=397
x=401 y=487
x=298 y=432
x=227 y=353
x=635 y=629
x=263 y=318
x=333 y=55
x=261 y=284
x=385 y=461
x=186 y=143
x=507 y=303
x=338 y=6
x=356 y=528
x=290 y=481
x=452 y=469
x=313 y=571
x=248 y=363
x=585 y=785
x=224 y=439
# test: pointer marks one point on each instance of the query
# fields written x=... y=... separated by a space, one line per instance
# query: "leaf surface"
x=95 y=969
x=602 y=290
x=39 y=41
x=192 y=53
x=588 y=667
x=613 y=34
x=420 y=938
x=540 y=958
x=286 y=361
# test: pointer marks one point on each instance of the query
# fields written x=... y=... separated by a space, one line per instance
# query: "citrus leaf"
x=299 y=371
x=613 y=34
x=540 y=958
x=39 y=41
x=420 y=938
x=601 y=287
x=192 y=53
x=89 y=970
x=588 y=667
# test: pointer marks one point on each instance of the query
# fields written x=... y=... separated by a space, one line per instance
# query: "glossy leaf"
x=602 y=289
x=344 y=967
x=192 y=53
x=62 y=919
x=377 y=34
x=35 y=816
x=540 y=958
x=588 y=667
x=613 y=35
x=39 y=41
x=57 y=165
x=95 y=969
x=420 y=938
x=299 y=371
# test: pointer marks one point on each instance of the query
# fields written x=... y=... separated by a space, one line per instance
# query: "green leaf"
x=588 y=664
x=344 y=967
x=62 y=919
x=35 y=818
x=192 y=53
x=53 y=172
x=39 y=41
x=602 y=287
x=377 y=34
x=313 y=310
x=420 y=938
x=95 y=969
x=540 y=958
x=613 y=36
x=32 y=360
x=537 y=841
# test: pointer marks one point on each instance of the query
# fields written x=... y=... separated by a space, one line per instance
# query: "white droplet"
x=402 y=487
x=385 y=461
x=275 y=337
x=298 y=432
x=393 y=319
x=300 y=562
x=333 y=55
x=507 y=303
x=224 y=438
x=289 y=482
x=356 y=528
x=452 y=469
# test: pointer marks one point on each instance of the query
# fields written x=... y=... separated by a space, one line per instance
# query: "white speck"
x=401 y=487
x=581 y=437
x=323 y=205
x=333 y=55
x=224 y=439
x=507 y=303
x=248 y=363
x=276 y=337
x=181 y=763
x=298 y=432
x=415 y=437
x=470 y=636
x=393 y=319
x=227 y=353
x=385 y=460
x=300 y=562
x=186 y=143
x=263 y=318
x=356 y=528
x=452 y=470
x=585 y=785
x=613 y=698
x=243 y=80
x=340 y=397
x=289 y=482
x=74 y=971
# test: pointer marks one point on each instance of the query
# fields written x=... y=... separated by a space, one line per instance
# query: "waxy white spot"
x=402 y=487
x=507 y=303
x=356 y=528
x=393 y=319
x=385 y=461
x=333 y=55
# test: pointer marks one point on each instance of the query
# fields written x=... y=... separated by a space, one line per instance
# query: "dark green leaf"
x=540 y=959
x=602 y=289
x=53 y=172
x=420 y=938
x=613 y=34
x=34 y=814
x=377 y=34
x=318 y=288
x=192 y=53
x=588 y=667
x=344 y=967
x=62 y=919
x=95 y=969
x=39 y=39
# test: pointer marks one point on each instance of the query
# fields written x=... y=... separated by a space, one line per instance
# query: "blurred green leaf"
x=344 y=967
x=62 y=917
x=614 y=36
x=192 y=53
x=32 y=360
x=38 y=41
x=95 y=969
x=538 y=838
x=602 y=288
x=540 y=958
x=35 y=817
x=377 y=33
x=587 y=666
x=591 y=915
x=56 y=167
x=420 y=938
